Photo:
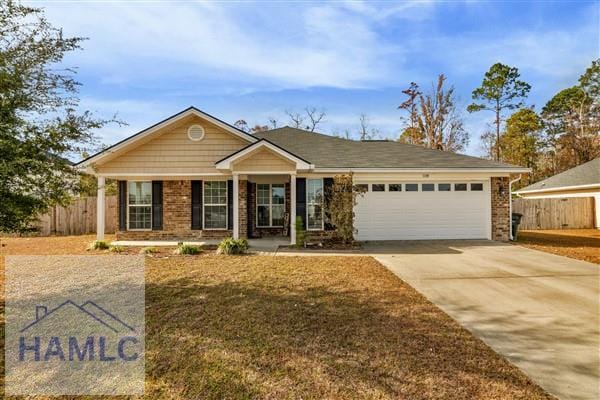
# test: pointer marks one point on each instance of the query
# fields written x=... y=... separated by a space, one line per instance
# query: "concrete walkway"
x=540 y=311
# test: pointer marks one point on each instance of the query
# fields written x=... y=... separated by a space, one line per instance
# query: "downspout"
x=510 y=203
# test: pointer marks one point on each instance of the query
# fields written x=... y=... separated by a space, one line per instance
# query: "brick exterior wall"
x=500 y=208
x=177 y=217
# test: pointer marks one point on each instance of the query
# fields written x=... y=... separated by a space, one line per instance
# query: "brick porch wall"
x=177 y=217
x=500 y=209
x=243 y=213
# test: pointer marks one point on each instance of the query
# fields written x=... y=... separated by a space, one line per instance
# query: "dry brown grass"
x=582 y=244
x=307 y=327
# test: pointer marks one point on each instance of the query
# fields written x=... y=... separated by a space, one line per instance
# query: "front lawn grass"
x=582 y=244
x=246 y=327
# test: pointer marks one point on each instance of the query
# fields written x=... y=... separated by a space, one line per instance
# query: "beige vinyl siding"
x=263 y=160
x=173 y=152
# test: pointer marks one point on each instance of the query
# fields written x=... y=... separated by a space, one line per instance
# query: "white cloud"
x=291 y=47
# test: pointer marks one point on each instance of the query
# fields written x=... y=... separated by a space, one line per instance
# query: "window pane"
x=215 y=217
x=277 y=215
x=278 y=193
x=215 y=192
x=444 y=187
x=477 y=186
x=378 y=187
x=262 y=194
x=428 y=187
x=395 y=187
x=314 y=200
x=314 y=191
x=315 y=217
x=460 y=187
x=411 y=187
x=362 y=187
x=262 y=215
x=140 y=217
x=139 y=192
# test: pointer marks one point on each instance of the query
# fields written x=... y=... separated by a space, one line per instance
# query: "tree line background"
x=563 y=134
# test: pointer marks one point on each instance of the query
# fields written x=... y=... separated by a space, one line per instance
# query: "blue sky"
x=148 y=60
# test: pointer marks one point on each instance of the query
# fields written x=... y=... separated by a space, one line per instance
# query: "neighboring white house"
x=581 y=181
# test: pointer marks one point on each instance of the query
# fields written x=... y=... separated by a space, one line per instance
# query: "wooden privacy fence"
x=79 y=218
x=564 y=213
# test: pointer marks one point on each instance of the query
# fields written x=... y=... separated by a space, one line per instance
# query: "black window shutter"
x=327 y=186
x=157 y=205
x=122 y=205
x=300 y=201
x=229 y=204
x=196 y=205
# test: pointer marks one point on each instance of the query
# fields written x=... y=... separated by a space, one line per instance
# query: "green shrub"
x=148 y=250
x=98 y=245
x=233 y=246
x=188 y=249
x=116 y=249
x=300 y=233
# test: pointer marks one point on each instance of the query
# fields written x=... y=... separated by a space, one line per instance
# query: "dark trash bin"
x=516 y=220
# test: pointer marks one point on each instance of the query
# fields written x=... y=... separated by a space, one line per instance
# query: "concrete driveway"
x=541 y=311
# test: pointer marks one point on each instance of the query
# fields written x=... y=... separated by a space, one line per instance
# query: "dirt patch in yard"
x=582 y=244
x=268 y=327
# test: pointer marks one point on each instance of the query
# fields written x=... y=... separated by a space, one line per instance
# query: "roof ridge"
x=304 y=131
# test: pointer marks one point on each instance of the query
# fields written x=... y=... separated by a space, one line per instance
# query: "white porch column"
x=100 y=209
x=236 y=206
x=293 y=209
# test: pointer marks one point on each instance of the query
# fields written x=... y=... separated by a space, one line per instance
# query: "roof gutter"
x=558 y=188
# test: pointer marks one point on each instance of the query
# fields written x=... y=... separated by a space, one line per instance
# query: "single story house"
x=194 y=176
x=581 y=181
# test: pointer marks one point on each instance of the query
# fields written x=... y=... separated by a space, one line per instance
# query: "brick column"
x=500 y=208
x=243 y=208
x=177 y=216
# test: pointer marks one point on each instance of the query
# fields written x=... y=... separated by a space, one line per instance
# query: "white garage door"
x=432 y=210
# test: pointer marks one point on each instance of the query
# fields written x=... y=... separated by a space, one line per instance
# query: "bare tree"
x=411 y=104
x=315 y=116
x=273 y=122
x=296 y=119
x=242 y=125
x=435 y=122
x=366 y=132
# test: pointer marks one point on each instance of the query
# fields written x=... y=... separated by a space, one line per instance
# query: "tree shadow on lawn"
x=243 y=340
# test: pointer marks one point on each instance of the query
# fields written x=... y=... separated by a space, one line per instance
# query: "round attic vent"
x=195 y=132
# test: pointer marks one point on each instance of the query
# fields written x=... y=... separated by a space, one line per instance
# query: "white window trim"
x=204 y=204
x=270 y=205
x=139 y=205
x=322 y=205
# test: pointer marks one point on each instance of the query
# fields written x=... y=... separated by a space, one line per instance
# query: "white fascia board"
x=424 y=170
x=227 y=162
x=149 y=131
x=558 y=189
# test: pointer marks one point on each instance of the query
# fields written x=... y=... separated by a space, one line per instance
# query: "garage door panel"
x=422 y=215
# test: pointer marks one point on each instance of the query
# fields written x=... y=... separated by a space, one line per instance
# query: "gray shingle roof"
x=584 y=174
x=331 y=152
